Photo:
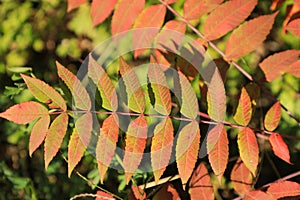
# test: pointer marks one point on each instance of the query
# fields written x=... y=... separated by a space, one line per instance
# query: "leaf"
x=136 y=193
x=104 y=196
x=135 y=141
x=79 y=93
x=258 y=195
x=106 y=144
x=135 y=95
x=161 y=147
x=72 y=4
x=187 y=148
x=241 y=178
x=216 y=98
x=76 y=150
x=105 y=86
x=200 y=186
x=38 y=133
x=294 y=69
x=217 y=148
x=294 y=27
x=284 y=189
x=160 y=89
x=248 y=148
x=226 y=17
x=125 y=15
x=275 y=65
x=24 y=113
x=279 y=147
x=151 y=17
x=55 y=136
x=101 y=9
x=194 y=9
x=189 y=107
x=273 y=117
x=248 y=36
x=244 y=110
x=43 y=92
x=167 y=192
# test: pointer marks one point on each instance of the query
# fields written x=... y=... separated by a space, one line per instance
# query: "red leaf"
x=75 y=151
x=160 y=89
x=194 y=9
x=79 y=93
x=55 y=136
x=104 y=196
x=244 y=110
x=187 y=148
x=167 y=192
x=248 y=148
x=279 y=147
x=104 y=84
x=217 y=148
x=273 y=117
x=226 y=17
x=200 y=186
x=258 y=195
x=135 y=94
x=189 y=106
x=161 y=147
x=294 y=69
x=72 y=4
x=248 y=36
x=284 y=189
x=136 y=136
x=170 y=1
x=294 y=27
x=125 y=15
x=136 y=193
x=152 y=17
x=24 y=113
x=275 y=65
x=101 y=9
x=43 y=92
x=106 y=144
x=241 y=178
x=38 y=133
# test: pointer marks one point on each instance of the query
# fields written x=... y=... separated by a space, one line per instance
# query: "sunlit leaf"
x=258 y=195
x=187 y=148
x=72 y=4
x=273 y=117
x=284 y=189
x=101 y=9
x=244 y=110
x=279 y=147
x=294 y=27
x=194 y=9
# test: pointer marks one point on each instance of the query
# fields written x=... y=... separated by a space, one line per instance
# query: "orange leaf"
x=194 y=9
x=248 y=148
x=294 y=69
x=294 y=27
x=24 y=113
x=38 y=133
x=200 y=186
x=275 y=65
x=241 y=178
x=72 y=4
x=136 y=136
x=135 y=94
x=75 y=151
x=125 y=15
x=273 y=117
x=55 y=136
x=161 y=147
x=258 y=195
x=160 y=89
x=79 y=93
x=101 y=9
x=104 y=196
x=136 y=193
x=226 y=17
x=167 y=192
x=104 y=84
x=152 y=17
x=187 y=148
x=244 y=110
x=106 y=144
x=279 y=147
x=248 y=36
x=43 y=92
x=217 y=148
x=284 y=189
